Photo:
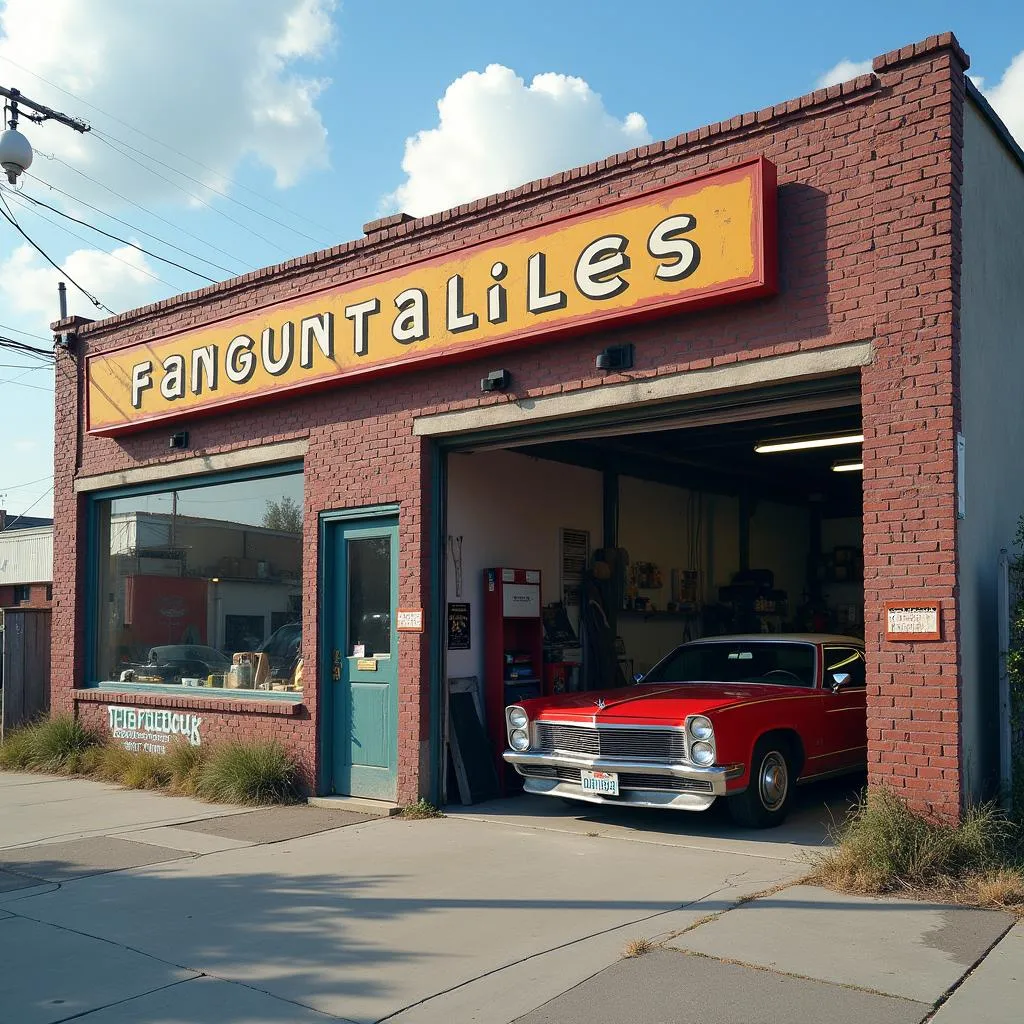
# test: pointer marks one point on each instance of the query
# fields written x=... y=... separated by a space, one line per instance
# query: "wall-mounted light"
x=795 y=444
x=496 y=380
x=616 y=357
x=849 y=466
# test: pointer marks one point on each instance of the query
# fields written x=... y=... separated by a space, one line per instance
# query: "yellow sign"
x=705 y=241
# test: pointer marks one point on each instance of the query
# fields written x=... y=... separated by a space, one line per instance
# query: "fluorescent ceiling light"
x=795 y=444
x=853 y=466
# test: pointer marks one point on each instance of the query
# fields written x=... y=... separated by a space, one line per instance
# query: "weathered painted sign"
x=151 y=729
x=707 y=240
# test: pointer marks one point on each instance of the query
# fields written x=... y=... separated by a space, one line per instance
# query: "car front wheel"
x=765 y=801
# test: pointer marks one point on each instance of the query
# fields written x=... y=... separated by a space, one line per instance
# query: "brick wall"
x=868 y=188
x=38 y=596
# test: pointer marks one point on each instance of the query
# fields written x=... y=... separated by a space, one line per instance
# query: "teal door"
x=361 y=590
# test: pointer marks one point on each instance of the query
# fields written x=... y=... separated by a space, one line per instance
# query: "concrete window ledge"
x=240 y=705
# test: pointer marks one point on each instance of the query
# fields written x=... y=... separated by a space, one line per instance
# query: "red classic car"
x=744 y=717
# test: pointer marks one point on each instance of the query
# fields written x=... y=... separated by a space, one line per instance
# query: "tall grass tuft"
x=249 y=773
x=185 y=764
x=60 y=744
x=886 y=847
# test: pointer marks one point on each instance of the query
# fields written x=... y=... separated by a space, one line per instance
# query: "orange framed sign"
x=705 y=241
x=913 y=620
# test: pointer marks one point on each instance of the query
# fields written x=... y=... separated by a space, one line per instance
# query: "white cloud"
x=216 y=80
x=1007 y=98
x=28 y=285
x=843 y=72
x=495 y=132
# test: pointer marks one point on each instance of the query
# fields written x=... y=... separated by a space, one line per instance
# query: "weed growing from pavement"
x=885 y=847
x=240 y=772
x=637 y=947
x=421 y=809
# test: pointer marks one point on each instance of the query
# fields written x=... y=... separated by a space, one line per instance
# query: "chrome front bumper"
x=712 y=781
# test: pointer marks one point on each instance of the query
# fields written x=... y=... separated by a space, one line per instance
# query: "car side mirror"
x=839 y=680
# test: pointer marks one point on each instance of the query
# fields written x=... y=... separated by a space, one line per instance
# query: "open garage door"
x=737 y=513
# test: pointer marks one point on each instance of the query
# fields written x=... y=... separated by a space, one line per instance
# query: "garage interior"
x=672 y=520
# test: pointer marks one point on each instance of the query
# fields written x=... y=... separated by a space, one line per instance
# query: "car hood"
x=664 y=703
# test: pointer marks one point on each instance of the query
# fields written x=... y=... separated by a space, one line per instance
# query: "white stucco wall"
x=992 y=403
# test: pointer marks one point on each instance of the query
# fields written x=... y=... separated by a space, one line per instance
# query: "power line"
x=10 y=218
x=128 y=224
x=220 y=213
x=27 y=483
x=89 y=242
x=139 y=206
x=231 y=199
x=107 y=234
x=22 y=384
x=21 y=347
x=28 y=334
x=160 y=142
x=29 y=509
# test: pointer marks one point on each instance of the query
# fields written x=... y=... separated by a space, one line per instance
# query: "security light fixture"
x=850 y=466
x=795 y=444
x=616 y=357
x=496 y=380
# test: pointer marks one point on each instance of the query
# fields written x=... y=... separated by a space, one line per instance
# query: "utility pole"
x=15 y=149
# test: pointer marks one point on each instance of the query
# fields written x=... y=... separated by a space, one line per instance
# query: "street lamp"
x=15 y=149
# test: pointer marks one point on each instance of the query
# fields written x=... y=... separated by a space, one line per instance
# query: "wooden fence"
x=25 y=665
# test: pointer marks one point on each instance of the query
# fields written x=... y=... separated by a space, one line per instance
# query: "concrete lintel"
x=822 y=362
x=195 y=465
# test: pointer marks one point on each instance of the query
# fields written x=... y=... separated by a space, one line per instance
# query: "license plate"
x=605 y=783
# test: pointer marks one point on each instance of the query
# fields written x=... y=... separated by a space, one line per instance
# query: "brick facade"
x=869 y=176
x=11 y=595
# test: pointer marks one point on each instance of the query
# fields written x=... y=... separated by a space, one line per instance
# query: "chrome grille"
x=637 y=744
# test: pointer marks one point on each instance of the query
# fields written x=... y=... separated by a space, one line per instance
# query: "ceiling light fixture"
x=795 y=444
x=852 y=466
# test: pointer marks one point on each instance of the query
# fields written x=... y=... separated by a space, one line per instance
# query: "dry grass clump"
x=257 y=772
x=885 y=847
x=637 y=947
x=61 y=745
x=240 y=773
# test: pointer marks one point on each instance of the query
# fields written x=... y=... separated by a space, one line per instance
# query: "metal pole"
x=1005 y=613
x=48 y=113
x=62 y=299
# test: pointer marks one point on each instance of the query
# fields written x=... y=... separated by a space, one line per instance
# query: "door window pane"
x=369 y=595
x=202 y=586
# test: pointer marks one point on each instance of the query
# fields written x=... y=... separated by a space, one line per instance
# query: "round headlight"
x=702 y=753
x=519 y=739
x=701 y=728
x=517 y=718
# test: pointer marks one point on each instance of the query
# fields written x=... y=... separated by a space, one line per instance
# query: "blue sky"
x=312 y=105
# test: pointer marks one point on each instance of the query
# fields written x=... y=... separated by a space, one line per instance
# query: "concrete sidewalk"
x=134 y=908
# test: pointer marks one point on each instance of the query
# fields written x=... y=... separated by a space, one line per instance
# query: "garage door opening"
x=728 y=522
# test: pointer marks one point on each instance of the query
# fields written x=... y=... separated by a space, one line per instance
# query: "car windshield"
x=773 y=662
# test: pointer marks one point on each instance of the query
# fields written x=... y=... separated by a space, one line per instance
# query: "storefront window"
x=202 y=587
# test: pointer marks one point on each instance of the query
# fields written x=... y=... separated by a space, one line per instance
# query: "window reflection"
x=202 y=587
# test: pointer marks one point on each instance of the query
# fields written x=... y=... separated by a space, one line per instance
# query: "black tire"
x=765 y=801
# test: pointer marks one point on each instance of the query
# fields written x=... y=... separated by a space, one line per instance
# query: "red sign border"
x=762 y=281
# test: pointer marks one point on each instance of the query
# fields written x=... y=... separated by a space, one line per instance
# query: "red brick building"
x=865 y=283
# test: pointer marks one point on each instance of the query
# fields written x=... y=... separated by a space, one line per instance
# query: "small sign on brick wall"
x=410 y=620
x=913 y=620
